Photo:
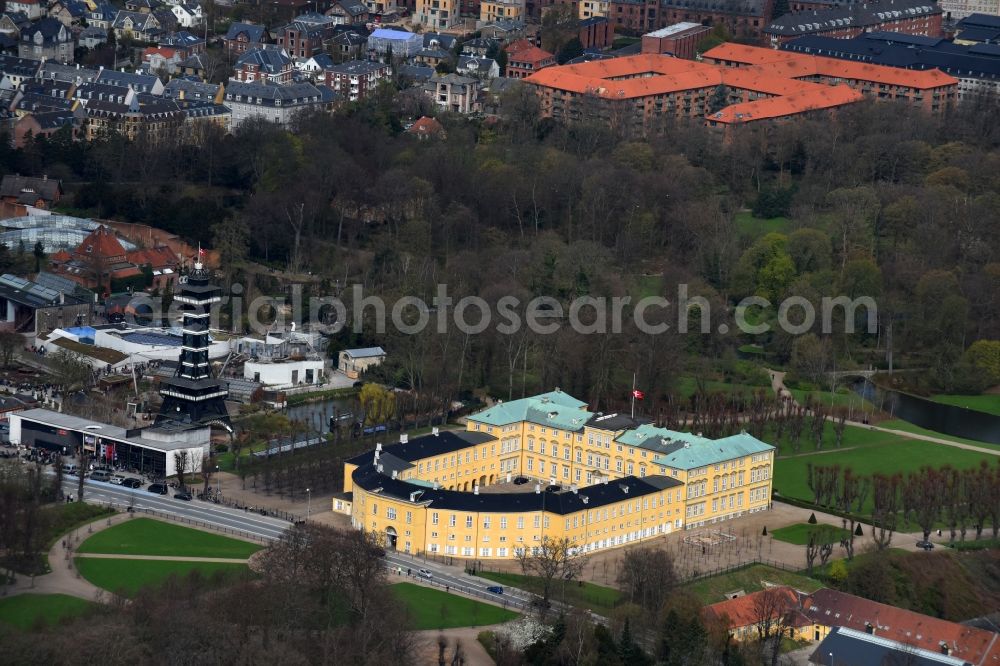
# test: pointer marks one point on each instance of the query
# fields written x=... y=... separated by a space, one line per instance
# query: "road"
x=241 y=522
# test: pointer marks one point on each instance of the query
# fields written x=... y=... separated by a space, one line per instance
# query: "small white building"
x=353 y=362
x=285 y=373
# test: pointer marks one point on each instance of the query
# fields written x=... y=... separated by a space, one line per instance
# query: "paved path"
x=167 y=558
x=466 y=637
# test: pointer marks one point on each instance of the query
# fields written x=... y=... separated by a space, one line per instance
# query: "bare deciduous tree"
x=553 y=559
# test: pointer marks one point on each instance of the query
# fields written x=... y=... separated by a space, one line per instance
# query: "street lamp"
x=218 y=482
x=308 y=502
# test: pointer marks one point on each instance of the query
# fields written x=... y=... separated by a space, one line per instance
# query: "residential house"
x=847 y=647
x=141 y=83
x=414 y=74
x=524 y=59
x=32 y=9
x=278 y=104
x=188 y=16
x=437 y=14
x=349 y=45
x=482 y=68
x=195 y=65
x=425 y=128
x=102 y=15
x=41 y=192
x=142 y=6
x=978 y=29
x=29 y=307
x=357 y=79
x=503 y=31
x=162 y=260
x=491 y=11
x=266 y=65
x=347 y=12
x=430 y=56
x=48 y=39
x=69 y=12
x=300 y=40
x=139 y=26
x=241 y=37
x=353 y=362
x=315 y=65
x=186 y=43
x=39 y=96
x=46 y=124
x=16 y=70
x=91 y=37
x=161 y=59
x=451 y=92
x=436 y=40
x=481 y=47
x=12 y=22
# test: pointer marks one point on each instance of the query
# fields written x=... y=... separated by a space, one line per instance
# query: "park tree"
x=555 y=559
x=378 y=402
x=886 y=506
x=772 y=613
x=647 y=576
x=923 y=498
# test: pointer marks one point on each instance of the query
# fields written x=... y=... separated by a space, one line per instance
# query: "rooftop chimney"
x=945 y=649
x=475 y=489
x=435 y=431
x=404 y=438
x=378 y=446
x=538 y=488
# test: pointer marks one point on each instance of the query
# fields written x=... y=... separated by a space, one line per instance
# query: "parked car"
x=926 y=545
x=520 y=480
x=424 y=573
x=183 y=495
x=132 y=483
x=116 y=479
x=495 y=589
x=100 y=475
x=70 y=470
x=158 y=488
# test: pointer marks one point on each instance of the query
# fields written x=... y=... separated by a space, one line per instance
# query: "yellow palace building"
x=601 y=480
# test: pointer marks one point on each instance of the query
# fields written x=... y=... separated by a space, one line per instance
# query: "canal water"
x=946 y=419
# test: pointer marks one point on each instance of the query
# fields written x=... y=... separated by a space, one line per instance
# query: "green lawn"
x=746 y=223
x=989 y=403
x=129 y=576
x=27 y=610
x=848 y=399
x=898 y=424
x=748 y=579
x=144 y=536
x=799 y=534
x=876 y=452
x=597 y=598
x=688 y=386
x=433 y=609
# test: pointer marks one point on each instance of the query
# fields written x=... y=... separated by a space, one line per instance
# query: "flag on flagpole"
x=638 y=395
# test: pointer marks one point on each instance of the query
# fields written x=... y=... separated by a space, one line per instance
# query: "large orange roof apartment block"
x=757 y=83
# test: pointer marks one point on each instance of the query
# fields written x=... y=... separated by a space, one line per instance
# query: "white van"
x=100 y=475
x=117 y=479
x=70 y=470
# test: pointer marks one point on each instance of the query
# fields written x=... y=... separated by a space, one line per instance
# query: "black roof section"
x=563 y=502
x=428 y=445
x=614 y=422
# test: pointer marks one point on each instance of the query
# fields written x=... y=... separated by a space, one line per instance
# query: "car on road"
x=183 y=495
x=424 y=573
x=100 y=475
x=116 y=479
x=520 y=480
x=158 y=488
x=132 y=482
x=495 y=589
x=926 y=545
x=70 y=470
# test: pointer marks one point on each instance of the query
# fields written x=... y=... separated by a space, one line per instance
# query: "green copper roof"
x=709 y=452
x=554 y=409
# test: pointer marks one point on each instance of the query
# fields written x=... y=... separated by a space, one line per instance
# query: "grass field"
x=129 y=576
x=799 y=534
x=749 y=579
x=433 y=609
x=849 y=399
x=688 y=386
x=746 y=223
x=874 y=452
x=28 y=610
x=989 y=403
x=595 y=597
x=143 y=536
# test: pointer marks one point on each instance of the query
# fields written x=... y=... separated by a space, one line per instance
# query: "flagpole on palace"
x=633 y=395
